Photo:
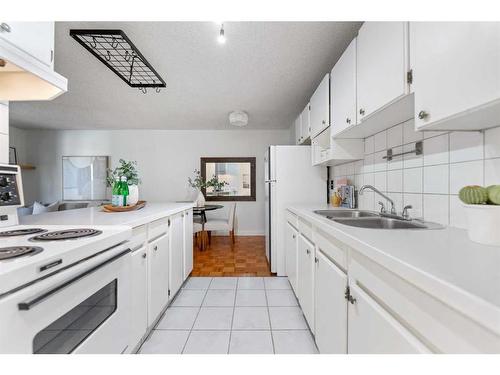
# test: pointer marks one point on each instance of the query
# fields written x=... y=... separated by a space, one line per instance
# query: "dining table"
x=201 y=212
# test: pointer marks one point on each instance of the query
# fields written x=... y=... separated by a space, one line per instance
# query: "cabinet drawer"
x=158 y=228
x=437 y=325
x=332 y=248
x=292 y=219
x=305 y=228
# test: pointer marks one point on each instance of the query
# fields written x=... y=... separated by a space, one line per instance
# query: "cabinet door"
x=158 y=264
x=291 y=255
x=139 y=295
x=382 y=64
x=188 y=243
x=176 y=254
x=305 y=125
x=456 y=67
x=305 y=277
x=330 y=307
x=343 y=91
x=298 y=130
x=34 y=38
x=319 y=115
x=373 y=330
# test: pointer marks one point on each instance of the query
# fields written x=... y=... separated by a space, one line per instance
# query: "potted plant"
x=482 y=207
x=129 y=170
x=199 y=183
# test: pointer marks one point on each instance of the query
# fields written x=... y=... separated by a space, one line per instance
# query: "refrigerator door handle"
x=269 y=181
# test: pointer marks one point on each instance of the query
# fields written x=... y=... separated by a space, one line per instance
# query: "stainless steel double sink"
x=373 y=220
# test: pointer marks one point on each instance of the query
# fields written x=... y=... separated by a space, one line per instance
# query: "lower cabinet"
x=158 y=276
x=188 y=243
x=176 y=264
x=330 y=306
x=139 y=311
x=373 y=330
x=305 y=277
x=291 y=241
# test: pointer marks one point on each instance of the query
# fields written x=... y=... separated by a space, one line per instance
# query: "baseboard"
x=239 y=233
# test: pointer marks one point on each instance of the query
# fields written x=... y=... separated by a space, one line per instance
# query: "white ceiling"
x=268 y=69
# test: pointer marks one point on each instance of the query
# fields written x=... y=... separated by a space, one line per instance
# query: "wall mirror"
x=84 y=177
x=236 y=177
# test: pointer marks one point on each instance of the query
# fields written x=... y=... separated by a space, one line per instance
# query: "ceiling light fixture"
x=221 y=38
x=238 y=118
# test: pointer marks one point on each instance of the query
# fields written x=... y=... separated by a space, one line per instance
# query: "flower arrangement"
x=127 y=169
x=199 y=183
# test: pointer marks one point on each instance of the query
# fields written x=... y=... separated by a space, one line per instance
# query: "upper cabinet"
x=27 y=61
x=305 y=122
x=319 y=115
x=343 y=91
x=456 y=74
x=382 y=65
x=298 y=130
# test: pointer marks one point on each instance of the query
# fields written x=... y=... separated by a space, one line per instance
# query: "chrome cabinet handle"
x=155 y=248
x=144 y=255
x=316 y=260
x=5 y=27
x=308 y=251
x=323 y=122
x=422 y=115
x=348 y=120
x=293 y=236
x=361 y=111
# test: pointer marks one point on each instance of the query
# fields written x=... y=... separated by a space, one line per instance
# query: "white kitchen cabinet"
x=139 y=310
x=456 y=74
x=319 y=115
x=291 y=242
x=330 y=306
x=305 y=278
x=298 y=130
x=176 y=254
x=158 y=276
x=34 y=38
x=4 y=148
x=305 y=124
x=343 y=91
x=4 y=118
x=188 y=243
x=382 y=65
x=372 y=330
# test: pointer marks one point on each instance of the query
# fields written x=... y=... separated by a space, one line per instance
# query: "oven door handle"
x=43 y=296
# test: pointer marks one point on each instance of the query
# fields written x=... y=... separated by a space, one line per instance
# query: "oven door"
x=84 y=309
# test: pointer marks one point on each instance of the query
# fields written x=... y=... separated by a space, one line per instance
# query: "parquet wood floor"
x=247 y=259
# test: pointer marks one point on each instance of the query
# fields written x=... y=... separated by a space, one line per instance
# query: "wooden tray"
x=111 y=208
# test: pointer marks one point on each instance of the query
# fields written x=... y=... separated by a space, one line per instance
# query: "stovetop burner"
x=68 y=234
x=17 y=251
x=21 y=232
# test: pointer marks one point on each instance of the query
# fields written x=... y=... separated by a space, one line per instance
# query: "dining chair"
x=198 y=233
x=223 y=224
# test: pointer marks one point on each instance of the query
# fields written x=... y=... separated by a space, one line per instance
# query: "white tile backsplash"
x=429 y=182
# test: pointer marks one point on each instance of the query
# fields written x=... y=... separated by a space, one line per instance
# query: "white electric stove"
x=63 y=289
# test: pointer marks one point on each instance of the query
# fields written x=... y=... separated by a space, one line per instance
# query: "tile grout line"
x=269 y=317
x=232 y=317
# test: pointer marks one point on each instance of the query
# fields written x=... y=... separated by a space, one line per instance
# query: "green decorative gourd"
x=494 y=194
x=473 y=194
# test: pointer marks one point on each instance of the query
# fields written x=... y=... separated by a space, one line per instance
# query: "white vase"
x=200 y=199
x=133 y=195
x=483 y=221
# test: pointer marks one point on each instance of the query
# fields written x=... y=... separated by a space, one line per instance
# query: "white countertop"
x=95 y=215
x=443 y=262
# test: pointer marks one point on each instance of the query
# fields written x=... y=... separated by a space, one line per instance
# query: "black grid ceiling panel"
x=115 y=50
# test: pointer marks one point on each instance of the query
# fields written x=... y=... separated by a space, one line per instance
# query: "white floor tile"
x=165 y=342
x=250 y=283
x=281 y=298
x=189 y=298
x=207 y=342
x=294 y=342
x=178 y=318
x=251 y=298
x=214 y=318
x=197 y=283
x=276 y=283
x=219 y=298
x=287 y=318
x=224 y=283
x=251 y=342
x=250 y=318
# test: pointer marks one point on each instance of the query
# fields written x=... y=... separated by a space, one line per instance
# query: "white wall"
x=429 y=182
x=4 y=132
x=165 y=159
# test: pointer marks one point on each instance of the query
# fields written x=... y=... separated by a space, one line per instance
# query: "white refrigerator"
x=290 y=179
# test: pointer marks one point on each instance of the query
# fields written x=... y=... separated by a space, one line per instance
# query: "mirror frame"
x=233 y=198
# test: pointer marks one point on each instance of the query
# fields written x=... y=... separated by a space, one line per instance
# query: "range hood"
x=23 y=78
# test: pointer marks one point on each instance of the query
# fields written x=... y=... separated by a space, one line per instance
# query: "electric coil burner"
x=17 y=251
x=68 y=234
x=21 y=232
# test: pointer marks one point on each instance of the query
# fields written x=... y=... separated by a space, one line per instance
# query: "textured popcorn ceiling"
x=268 y=69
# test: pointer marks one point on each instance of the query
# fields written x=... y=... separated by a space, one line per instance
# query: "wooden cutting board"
x=111 y=208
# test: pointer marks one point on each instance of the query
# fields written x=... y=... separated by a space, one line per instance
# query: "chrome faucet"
x=364 y=187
